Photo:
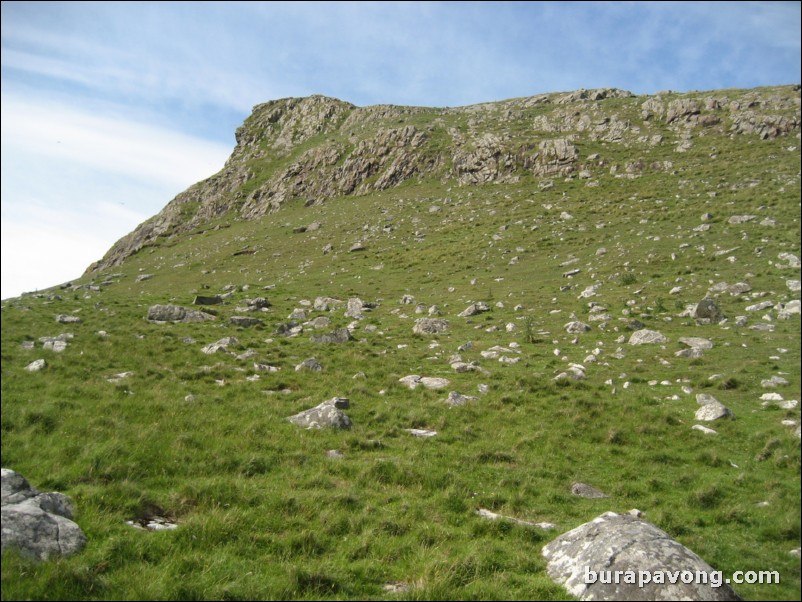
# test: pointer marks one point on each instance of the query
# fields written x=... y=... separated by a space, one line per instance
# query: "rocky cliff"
x=314 y=149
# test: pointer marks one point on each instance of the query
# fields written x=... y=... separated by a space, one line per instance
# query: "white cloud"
x=74 y=182
x=109 y=144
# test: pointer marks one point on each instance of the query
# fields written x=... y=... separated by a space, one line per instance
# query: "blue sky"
x=110 y=109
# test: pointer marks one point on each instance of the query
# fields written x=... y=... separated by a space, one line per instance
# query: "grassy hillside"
x=264 y=512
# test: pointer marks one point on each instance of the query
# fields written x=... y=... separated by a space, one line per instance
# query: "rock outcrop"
x=318 y=148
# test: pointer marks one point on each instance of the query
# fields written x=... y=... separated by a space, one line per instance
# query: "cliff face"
x=317 y=148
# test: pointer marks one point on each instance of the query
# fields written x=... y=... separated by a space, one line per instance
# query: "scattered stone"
x=692 y=352
x=587 y=491
x=458 y=399
x=66 y=319
x=309 y=364
x=647 y=337
x=739 y=288
x=786 y=310
x=265 y=368
x=708 y=312
x=423 y=433
x=298 y=314
x=623 y=542
x=221 y=345
x=741 y=219
x=207 y=300
x=399 y=587
x=577 y=327
x=176 y=313
x=289 y=329
x=704 y=429
x=413 y=380
x=357 y=246
x=712 y=410
x=37 y=524
x=774 y=381
x=474 y=309
x=354 y=308
x=120 y=376
x=430 y=326
x=696 y=342
x=36 y=365
x=336 y=337
x=335 y=454
x=793 y=285
x=257 y=304
x=574 y=372
x=793 y=260
x=493 y=516
x=590 y=291
x=326 y=414
x=760 y=306
x=319 y=322
x=245 y=321
x=143 y=277
x=27 y=345
x=152 y=523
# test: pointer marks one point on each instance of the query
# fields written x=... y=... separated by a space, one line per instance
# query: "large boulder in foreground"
x=37 y=524
x=587 y=560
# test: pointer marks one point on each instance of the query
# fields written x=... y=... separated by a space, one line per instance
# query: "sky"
x=110 y=109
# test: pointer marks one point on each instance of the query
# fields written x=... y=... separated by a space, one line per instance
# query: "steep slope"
x=516 y=253
x=315 y=149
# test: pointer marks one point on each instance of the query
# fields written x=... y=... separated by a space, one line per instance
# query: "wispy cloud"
x=107 y=143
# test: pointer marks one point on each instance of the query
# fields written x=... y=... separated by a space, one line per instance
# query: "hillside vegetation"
x=597 y=207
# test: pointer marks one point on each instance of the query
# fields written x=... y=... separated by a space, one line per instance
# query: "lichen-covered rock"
x=708 y=311
x=647 y=337
x=585 y=560
x=326 y=414
x=37 y=524
x=176 y=313
x=336 y=337
x=430 y=326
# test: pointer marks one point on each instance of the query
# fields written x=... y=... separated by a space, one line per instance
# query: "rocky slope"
x=314 y=149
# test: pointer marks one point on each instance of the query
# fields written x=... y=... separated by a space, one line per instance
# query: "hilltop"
x=584 y=269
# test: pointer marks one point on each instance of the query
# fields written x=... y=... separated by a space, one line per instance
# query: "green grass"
x=265 y=514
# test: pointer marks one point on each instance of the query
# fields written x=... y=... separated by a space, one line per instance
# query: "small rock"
x=587 y=491
x=474 y=309
x=714 y=410
x=430 y=326
x=36 y=365
x=577 y=327
x=326 y=414
x=704 y=429
x=774 y=381
x=65 y=319
x=647 y=337
x=245 y=321
x=421 y=433
x=309 y=364
x=458 y=399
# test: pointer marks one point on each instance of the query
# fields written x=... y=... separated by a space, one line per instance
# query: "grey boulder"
x=586 y=560
x=326 y=414
x=176 y=313
x=37 y=524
